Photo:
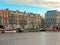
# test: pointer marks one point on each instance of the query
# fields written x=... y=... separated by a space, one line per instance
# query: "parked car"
x=19 y=30
x=42 y=29
x=2 y=30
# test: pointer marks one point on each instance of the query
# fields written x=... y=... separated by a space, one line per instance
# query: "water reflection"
x=37 y=38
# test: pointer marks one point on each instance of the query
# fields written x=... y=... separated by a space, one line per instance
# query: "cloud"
x=40 y=3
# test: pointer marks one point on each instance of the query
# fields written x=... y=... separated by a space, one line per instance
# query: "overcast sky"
x=53 y=4
x=43 y=3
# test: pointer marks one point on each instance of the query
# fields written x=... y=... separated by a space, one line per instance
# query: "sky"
x=33 y=6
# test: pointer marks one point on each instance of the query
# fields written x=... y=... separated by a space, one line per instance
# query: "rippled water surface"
x=31 y=38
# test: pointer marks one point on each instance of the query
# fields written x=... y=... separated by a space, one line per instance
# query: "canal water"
x=31 y=38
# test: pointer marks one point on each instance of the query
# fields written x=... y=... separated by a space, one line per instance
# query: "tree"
x=32 y=24
x=23 y=23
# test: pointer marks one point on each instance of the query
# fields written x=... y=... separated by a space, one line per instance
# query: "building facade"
x=34 y=20
x=4 y=16
x=58 y=18
x=22 y=19
x=52 y=18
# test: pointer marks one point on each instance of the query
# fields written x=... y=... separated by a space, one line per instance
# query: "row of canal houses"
x=16 y=19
